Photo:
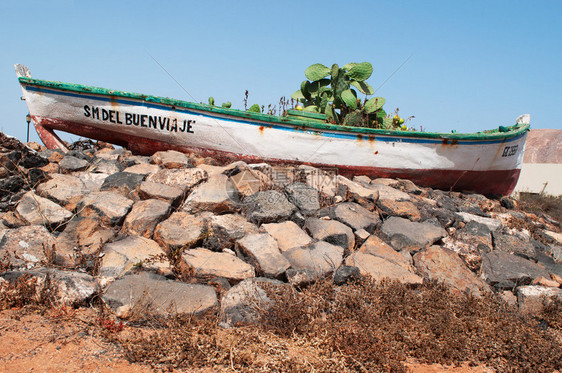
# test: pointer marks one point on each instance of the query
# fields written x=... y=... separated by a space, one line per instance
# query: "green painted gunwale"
x=495 y=134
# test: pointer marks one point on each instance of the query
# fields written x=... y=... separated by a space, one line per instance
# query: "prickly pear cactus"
x=316 y=72
x=255 y=108
x=374 y=104
x=211 y=101
x=360 y=72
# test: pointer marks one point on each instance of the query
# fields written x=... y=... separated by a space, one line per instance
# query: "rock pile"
x=178 y=233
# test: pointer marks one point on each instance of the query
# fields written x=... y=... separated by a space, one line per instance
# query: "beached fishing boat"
x=487 y=162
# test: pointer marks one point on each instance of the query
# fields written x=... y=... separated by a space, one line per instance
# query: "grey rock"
x=92 y=181
x=331 y=231
x=492 y=224
x=319 y=257
x=514 y=245
x=184 y=179
x=304 y=197
x=506 y=271
x=144 y=216
x=303 y=277
x=72 y=164
x=148 y=293
x=224 y=230
x=181 y=230
x=358 y=189
x=63 y=189
x=107 y=167
x=263 y=252
x=143 y=169
x=28 y=246
x=122 y=182
x=217 y=195
x=355 y=216
x=149 y=189
x=345 y=274
x=401 y=208
x=405 y=234
x=171 y=159
x=243 y=303
x=110 y=208
x=128 y=253
x=389 y=193
x=378 y=260
x=268 y=206
x=324 y=181
x=207 y=264
x=532 y=299
x=287 y=234
x=249 y=181
x=37 y=210
x=80 y=242
x=438 y=264
x=73 y=288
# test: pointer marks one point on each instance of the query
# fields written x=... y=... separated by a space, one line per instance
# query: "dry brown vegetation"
x=541 y=204
x=366 y=326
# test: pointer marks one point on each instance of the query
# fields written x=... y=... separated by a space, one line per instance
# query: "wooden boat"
x=486 y=162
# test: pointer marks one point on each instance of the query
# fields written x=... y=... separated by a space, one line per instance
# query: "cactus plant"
x=255 y=108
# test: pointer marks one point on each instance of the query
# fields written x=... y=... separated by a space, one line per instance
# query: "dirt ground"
x=70 y=341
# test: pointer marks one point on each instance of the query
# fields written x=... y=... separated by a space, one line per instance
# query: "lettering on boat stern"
x=156 y=122
x=510 y=151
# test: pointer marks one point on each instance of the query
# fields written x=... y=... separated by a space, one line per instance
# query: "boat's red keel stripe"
x=491 y=183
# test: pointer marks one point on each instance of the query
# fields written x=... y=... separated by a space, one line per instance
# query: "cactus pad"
x=316 y=72
x=361 y=71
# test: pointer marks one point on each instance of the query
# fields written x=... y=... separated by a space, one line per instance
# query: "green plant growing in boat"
x=333 y=92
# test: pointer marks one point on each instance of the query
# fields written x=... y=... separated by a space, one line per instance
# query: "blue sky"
x=470 y=65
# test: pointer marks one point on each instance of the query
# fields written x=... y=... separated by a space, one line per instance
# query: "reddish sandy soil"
x=69 y=341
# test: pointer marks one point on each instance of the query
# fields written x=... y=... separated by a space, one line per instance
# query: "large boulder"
x=171 y=159
x=73 y=288
x=439 y=264
x=144 y=217
x=37 y=210
x=378 y=260
x=507 y=271
x=152 y=190
x=320 y=258
x=65 y=190
x=181 y=230
x=128 y=253
x=243 y=303
x=184 y=179
x=305 y=198
x=110 y=208
x=331 y=231
x=216 y=195
x=262 y=251
x=355 y=216
x=405 y=234
x=80 y=242
x=122 y=182
x=146 y=294
x=287 y=234
x=208 y=264
x=224 y=230
x=28 y=246
x=268 y=206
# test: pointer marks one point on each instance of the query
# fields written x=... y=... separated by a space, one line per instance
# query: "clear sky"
x=470 y=65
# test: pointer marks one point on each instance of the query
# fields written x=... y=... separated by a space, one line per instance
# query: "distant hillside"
x=543 y=146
